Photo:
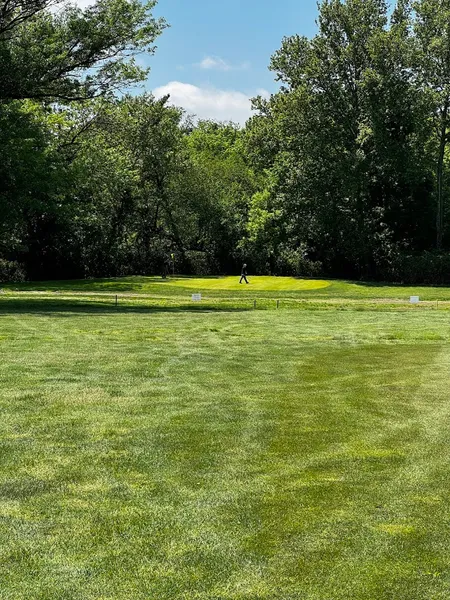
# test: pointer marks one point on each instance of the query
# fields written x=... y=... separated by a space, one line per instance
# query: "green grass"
x=228 y=287
x=228 y=454
x=218 y=293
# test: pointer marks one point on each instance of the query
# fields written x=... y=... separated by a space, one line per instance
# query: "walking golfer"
x=244 y=274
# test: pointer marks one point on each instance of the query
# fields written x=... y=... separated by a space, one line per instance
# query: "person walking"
x=244 y=274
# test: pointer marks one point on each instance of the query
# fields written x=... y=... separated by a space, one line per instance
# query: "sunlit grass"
x=267 y=284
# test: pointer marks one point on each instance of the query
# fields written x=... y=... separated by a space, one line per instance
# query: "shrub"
x=11 y=271
x=430 y=268
x=296 y=263
x=201 y=263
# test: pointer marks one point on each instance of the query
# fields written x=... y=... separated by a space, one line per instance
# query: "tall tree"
x=154 y=133
x=322 y=108
x=32 y=174
x=218 y=153
x=53 y=54
x=432 y=37
x=344 y=138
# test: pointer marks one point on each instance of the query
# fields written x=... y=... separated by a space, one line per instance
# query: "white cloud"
x=219 y=64
x=211 y=62
x=209 y=102
x=262 y=92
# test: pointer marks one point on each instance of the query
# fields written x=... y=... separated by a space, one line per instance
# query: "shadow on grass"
x=45 y=306
x=387 y=284
x=113 y=284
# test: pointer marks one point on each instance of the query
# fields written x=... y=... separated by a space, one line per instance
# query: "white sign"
x=414 y=299
x=196 y=297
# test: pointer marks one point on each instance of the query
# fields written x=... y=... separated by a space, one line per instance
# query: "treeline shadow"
x=390 y=284
x=112 y=284
x=50 y=306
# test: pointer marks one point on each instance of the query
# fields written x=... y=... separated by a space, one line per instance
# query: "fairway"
x=222 y=454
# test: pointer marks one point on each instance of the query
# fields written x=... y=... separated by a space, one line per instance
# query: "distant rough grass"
x=220 y=287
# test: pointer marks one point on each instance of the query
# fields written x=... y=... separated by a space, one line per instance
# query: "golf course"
x=283 y=440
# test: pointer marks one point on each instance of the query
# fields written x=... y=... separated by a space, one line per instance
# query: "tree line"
x=343 y=172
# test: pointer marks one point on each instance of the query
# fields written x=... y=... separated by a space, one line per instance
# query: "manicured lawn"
x=222 y=454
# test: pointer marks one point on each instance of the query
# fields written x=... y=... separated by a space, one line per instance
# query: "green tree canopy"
x=54 y=51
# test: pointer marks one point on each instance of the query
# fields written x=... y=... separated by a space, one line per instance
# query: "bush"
x=296 y=263
x=201 y=263
x=11 y=271
x=428 y=268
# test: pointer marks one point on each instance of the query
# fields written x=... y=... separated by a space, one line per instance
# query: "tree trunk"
x=440 y=177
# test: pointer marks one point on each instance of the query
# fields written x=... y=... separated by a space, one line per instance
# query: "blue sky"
x=215 y=55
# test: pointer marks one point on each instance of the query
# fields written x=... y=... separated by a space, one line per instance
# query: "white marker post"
x=196 y=297
x=414 y=300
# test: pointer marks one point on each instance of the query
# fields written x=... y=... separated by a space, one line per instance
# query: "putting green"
x=265 y=284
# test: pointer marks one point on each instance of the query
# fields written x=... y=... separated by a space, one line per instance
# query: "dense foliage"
x=344 y=171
